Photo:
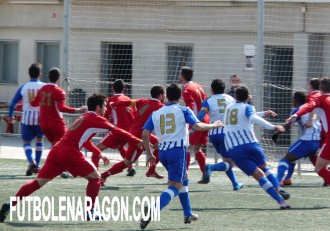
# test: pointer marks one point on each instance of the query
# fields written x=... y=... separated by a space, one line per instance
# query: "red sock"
x=325 y=174
x=313 y=159
x=26 y=190
x=201 y=159
x=96 y=160
x=188 y=160
x=153 y=167
x=93 y=189
x=115 y=169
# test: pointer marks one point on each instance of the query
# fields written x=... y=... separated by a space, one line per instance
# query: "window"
x=8 y=62
x=177 y=57
x=48 y=54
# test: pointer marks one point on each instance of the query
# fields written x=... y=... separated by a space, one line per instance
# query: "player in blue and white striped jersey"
x=30 y=117
x=170 y=126
x=307 y=144
x=244 y=148
x=215 y=106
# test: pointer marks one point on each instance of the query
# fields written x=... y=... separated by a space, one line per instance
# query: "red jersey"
x=314 y=94
x=122 y=117
x=193 y=96
x=86 y=126
x=51 y=99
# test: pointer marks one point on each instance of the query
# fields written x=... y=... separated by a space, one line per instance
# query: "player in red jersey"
x=193 y=96
x=144 y=108
x=51 y=99
x=122 y=117
x=322 y=104
x=66 y=155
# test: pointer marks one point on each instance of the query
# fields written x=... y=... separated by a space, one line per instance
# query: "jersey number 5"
x=167 y=121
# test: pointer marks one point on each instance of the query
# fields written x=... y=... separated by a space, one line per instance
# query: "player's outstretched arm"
x=205 y=127
x=146 y=143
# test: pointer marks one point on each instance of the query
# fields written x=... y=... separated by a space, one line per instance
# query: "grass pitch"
x=218 y=206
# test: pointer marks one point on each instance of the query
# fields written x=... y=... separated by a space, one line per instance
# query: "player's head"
x=118 y=86
x=54 y=74
x=314 y=84
x=158 y=92
x=173 y=92
x=299 y=98
x=218 y=86
x=242 y=93
x=235 y=79
x=325 y=84
x=97 y=102
x=186 y=74
x=35 y=70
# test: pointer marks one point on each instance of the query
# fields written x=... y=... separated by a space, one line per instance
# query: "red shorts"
x=198 y=138
x=113 y=141
x=133 y=152
x=62 y=159
x=325 y=150
x=53 y=130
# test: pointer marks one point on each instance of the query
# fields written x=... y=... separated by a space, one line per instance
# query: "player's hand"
x=218 y=123
x=279 y=128
x=140 y=145
x=275 y=137
x=11 y=120
x=83 y=108
x=292 y=118
x=151 y=160
x=269 y=113
x=105 y=159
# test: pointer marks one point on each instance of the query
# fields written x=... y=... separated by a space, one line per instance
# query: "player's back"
x=122 y=117
x=323 y=111
x=217 y=105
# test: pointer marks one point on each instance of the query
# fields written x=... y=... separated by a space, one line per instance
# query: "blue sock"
x=221 y=166
x=185 y=199
x=271 y=176
x=292 y=165
x=270 y=189
x=167 y=196
x=39 y=148
x=281 y=169
x=232 y=177
x=28 y=152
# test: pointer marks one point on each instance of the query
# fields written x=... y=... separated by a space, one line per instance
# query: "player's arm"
x=96 y=152
x=304 y=109
x=192 y=120
x=125 y=135
x=124 y=103
x=205 y=108
x=147 y=129
x=267 y=113
x=14 y=101
x=62 y=107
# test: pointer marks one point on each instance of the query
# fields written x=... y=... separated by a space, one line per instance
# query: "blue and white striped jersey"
x=170 y=125
x=308 y=133
x=27 y=92
x=239 y=121
x=216 y=105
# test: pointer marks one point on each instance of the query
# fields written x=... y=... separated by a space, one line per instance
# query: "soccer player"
x=121 y=117
x=322 y=103
x=66 y=155
x=30 y=117
x=306 y=145
x=169 y=124
x=193 y=96
x=215 y=106
x=144 y=108
x=244 y=148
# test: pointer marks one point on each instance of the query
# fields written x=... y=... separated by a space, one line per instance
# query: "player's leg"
x=323 y=161
x=39 y=145
x=27 y=137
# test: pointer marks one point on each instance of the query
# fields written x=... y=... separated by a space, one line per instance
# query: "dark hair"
x=325 y=84
x=242 y=93
x=187 y=73
x=157 y=91
x=94 y=100
x=235 y=76
x=118 y=86
x=54 y=74
x=35 y=70
x=218 y=86
x=315 y=83
x=299 y=97
x=173 y=92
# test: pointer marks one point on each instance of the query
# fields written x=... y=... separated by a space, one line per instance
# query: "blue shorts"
x=174 y=160
x=304 y=148
x=29 y=132
x=248 y=157
x=218 y=141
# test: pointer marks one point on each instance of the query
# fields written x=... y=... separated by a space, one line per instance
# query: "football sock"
x=39 y=149
x=281 y=169
x=271 y=176
x=290 y=170
x=93 y=189
x=115 y=169
x=201 y=159
x=221 y=166
x=184 y=198
x=167 y=196
x=26 y=190
x=28 y=153
x=266 y=185
x=325 y=174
